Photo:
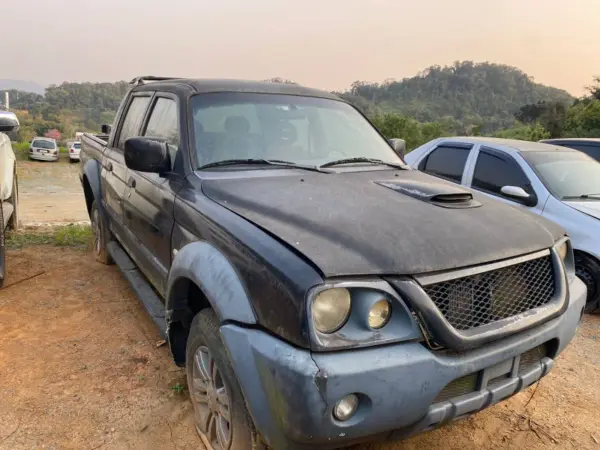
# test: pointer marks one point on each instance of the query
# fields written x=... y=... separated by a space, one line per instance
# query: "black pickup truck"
x=318 y=291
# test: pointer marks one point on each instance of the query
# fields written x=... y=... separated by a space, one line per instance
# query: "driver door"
x=495 y=169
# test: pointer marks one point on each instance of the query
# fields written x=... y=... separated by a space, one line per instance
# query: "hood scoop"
x=438 y=194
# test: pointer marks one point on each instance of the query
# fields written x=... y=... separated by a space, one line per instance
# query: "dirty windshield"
x=299 y=130
x=569 y=175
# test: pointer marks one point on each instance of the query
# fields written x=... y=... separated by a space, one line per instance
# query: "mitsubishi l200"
x=318 y=291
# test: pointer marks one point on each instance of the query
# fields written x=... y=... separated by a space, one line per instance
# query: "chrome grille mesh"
x=484 y=298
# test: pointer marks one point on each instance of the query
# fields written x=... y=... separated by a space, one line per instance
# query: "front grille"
x=532 y=358
x=458 y=387
x=484 y=298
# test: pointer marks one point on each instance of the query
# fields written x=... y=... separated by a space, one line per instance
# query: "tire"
x=101 y=236
x=588 y=270
x=13 y=223
x=2 y=248
x=215 y=391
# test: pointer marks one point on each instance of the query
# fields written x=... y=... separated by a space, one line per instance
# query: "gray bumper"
x=291 y=392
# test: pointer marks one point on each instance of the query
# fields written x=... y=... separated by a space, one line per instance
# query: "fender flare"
x=206 y=267
x=91 y=172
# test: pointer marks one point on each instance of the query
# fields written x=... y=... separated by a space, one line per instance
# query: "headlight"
x=379 y=314
x=330 y=309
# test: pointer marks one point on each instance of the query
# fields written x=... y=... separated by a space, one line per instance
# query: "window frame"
x=132 y=97
x=448 y=144
x=508 y=159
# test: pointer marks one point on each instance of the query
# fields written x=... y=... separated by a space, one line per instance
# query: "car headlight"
x=330 y=309
x=350 y=314
x=379 y=314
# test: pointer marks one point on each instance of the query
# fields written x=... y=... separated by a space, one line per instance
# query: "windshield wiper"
x=270 y=162
x=584 y=196
x=364 y=160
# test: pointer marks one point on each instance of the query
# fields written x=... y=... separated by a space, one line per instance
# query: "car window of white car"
x=446 y=161
x=498 y=173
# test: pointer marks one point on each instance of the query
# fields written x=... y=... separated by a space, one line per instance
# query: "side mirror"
x=8 y=122
x=147 y=155
x=519 y=194
x=105 y=129
x=399 y=146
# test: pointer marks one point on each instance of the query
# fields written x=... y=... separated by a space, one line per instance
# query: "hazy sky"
x=326 y=43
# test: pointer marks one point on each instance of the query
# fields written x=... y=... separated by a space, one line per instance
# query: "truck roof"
x=228 y=85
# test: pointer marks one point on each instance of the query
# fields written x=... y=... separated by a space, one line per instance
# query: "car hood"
x=591 y=208
x=381 y=222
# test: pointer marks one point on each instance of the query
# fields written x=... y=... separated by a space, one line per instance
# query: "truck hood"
x=591 y=208
x=382 y=222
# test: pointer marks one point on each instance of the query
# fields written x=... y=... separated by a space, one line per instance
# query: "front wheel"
x=219 y=409
x=101 y=236
x=588 y=270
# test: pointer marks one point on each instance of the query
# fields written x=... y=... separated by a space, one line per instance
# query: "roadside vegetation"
x=466 y=98
x=72 y=235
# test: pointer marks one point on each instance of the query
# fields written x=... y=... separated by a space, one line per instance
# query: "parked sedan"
x=558 y=183
x=43 y=149
x=74 y=150
x=589 y=146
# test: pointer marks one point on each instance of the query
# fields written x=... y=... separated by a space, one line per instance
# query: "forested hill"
x=466 y=93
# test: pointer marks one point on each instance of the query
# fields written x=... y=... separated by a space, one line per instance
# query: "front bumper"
x=291 y=392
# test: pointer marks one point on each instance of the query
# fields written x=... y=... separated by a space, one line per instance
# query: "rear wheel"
x=220 y=411
x=101 y=236
x=588 y=270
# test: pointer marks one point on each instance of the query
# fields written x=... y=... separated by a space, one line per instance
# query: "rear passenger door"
x=495 y=169
x=447 y=161
x=150 y=197
x=114 y=171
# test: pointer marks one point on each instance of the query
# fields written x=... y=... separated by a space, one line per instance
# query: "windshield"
x=566 y=174
x=39 y=143
x=77 y=145
x=300 y=130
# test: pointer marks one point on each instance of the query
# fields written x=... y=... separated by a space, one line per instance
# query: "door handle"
x=109 y=167
x=131 y=183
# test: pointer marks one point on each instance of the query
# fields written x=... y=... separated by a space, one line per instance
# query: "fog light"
x=379 y=314
x=345 y=407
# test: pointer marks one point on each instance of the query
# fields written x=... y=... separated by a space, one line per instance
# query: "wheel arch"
x=91 y=185
x=201 y=277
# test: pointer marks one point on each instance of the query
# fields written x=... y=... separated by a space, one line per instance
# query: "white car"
x=8 y=184
x=43 y=149
x=74 y=150
x=558 y=183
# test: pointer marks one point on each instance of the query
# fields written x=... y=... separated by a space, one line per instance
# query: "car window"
x=296 y=129
x=42 y=143
x=590 y=150
x=77 y=145
x=446 y=162
x=163 y=124
x=133 y=120
x=493 y=172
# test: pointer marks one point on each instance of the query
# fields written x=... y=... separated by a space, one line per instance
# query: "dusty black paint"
x=348 y=224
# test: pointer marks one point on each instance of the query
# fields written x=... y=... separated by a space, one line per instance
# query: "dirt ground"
x=80 y=369
x=50 y=192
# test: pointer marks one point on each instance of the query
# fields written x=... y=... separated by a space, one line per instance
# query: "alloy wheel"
x=211 y=401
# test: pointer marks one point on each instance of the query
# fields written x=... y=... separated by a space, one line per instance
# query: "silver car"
x=555 y=182
x=43 y=149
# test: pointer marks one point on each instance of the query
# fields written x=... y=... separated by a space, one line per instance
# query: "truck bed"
x=92 y=146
